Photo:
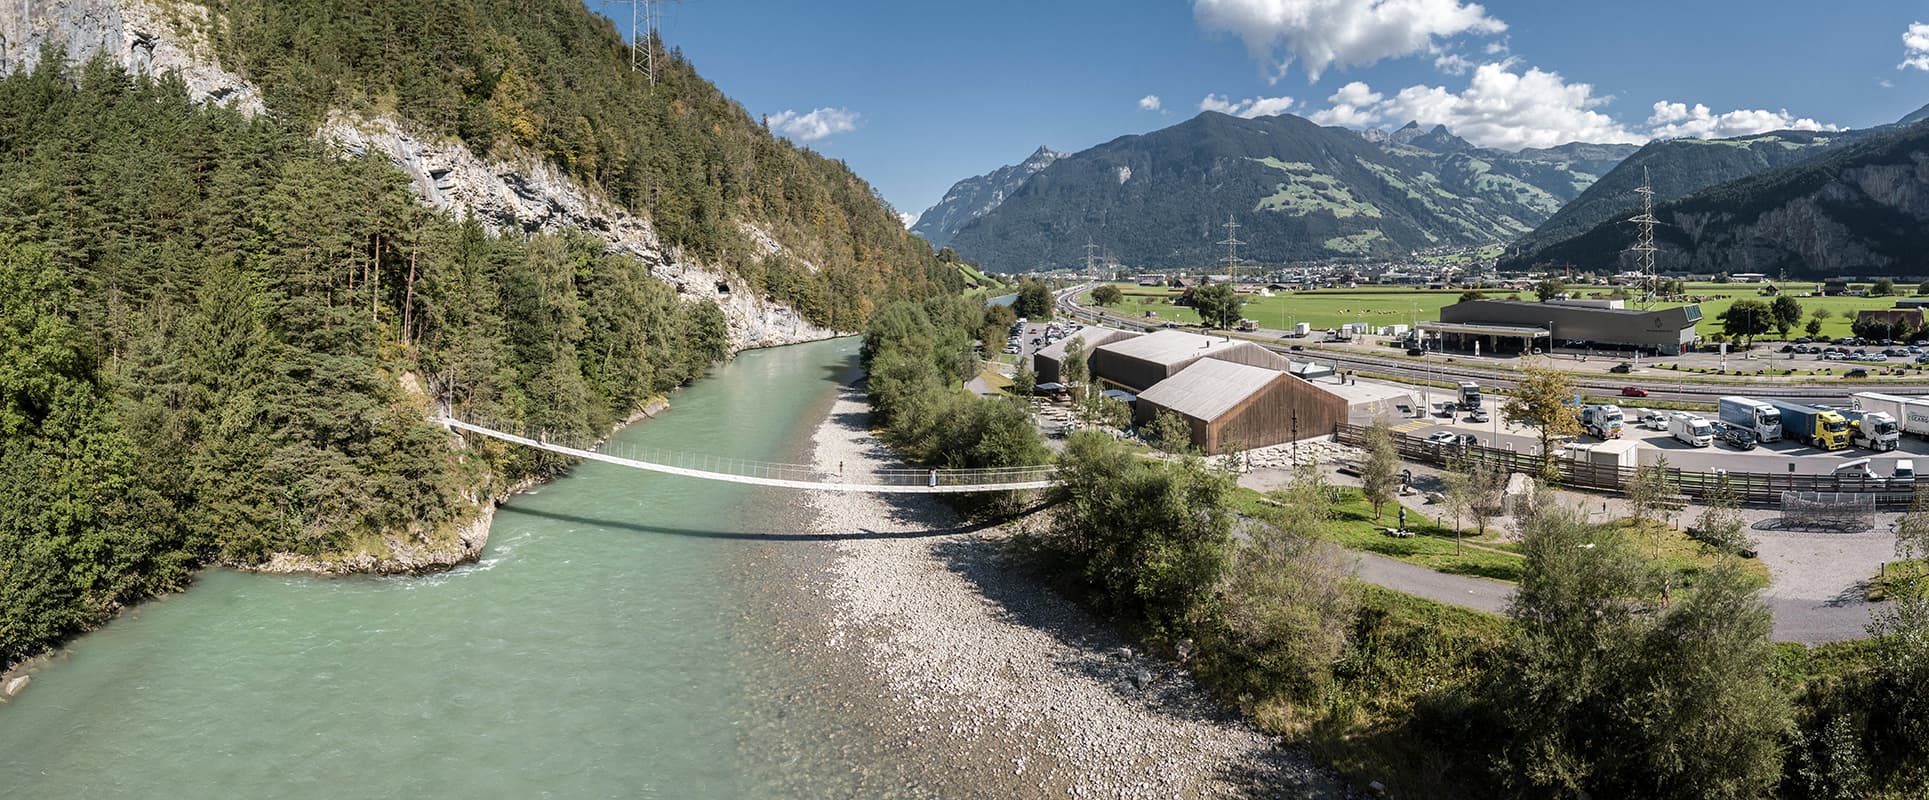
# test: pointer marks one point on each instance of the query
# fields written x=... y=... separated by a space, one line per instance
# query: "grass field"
x=1330 y=308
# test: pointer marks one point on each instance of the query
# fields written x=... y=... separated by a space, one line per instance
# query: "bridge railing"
x=770 y=470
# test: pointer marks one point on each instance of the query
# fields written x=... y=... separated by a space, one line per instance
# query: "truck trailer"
x=1910 y=413
x=1818 y=427
x=1691 y=430
x=1602 y=421
x=1758 y=416
x=1469 y=395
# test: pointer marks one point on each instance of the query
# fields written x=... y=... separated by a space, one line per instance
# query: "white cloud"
x=1150 y=102
x=909 y=219
x=1885 y=83
x=1678 y=120
x=1509 y=110
x=1353 y=107
x=1452 y=63
x=1249 y=107
x=1915 y=47
x=814 y=125
x=1497 y=48
x=1349 y=33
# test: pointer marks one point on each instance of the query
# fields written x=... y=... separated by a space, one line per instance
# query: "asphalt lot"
x=1771 y=457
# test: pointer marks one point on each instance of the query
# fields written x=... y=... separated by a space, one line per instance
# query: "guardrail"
x=1750 y=487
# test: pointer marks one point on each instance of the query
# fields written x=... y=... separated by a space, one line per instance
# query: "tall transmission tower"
x=1232 y=244
x=643 y=35
x=1089 y=248
x=1644 y=248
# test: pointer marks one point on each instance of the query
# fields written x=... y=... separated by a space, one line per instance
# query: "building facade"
x=1515 y=326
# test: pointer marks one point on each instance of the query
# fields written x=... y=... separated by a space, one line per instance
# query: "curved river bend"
x=620 y=637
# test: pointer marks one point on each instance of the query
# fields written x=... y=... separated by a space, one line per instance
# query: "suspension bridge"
x=782 y=476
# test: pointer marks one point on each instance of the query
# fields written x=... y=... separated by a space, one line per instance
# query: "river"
x=623 y=635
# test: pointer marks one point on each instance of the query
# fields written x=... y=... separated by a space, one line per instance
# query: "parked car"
x=1734 y=435
x=1622 y=368
x=1477 y=415
x=1858 y=372
x=1415 y=351
x=1447 y=407
x=1442 y=437
x=1298 y=347
x=1633 y=391
x=1654 y=422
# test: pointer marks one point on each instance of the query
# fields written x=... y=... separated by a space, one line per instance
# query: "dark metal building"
x=1513 y=326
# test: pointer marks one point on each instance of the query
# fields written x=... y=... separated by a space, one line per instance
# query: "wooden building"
x=1244 y=406
x=1138 y=363
x=1048 y=363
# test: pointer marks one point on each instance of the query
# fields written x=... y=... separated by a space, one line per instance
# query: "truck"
x=1248 y=325
x=1910 y=413
x=1602 y=421
x=1469 y=395
x=1691 y=430
x=1874 y=430
x=1817 y=427
x=1758 y=416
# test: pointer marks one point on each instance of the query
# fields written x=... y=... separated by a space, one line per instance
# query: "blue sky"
x=915 y=96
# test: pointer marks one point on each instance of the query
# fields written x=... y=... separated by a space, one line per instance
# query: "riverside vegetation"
x=1611 y=675
x=219 y=340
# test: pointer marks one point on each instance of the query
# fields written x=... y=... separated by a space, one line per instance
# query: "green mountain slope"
x=1302 y=191
x=1860 y=209
x=1678 y=168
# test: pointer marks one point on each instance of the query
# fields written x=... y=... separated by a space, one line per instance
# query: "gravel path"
x=974 y=651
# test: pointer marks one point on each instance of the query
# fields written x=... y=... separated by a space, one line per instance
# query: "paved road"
x=1479 y=594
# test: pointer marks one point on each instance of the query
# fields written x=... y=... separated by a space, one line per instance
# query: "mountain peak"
x=1914 y=117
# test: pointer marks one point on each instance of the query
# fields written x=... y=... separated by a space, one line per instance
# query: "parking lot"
x=1771 y=457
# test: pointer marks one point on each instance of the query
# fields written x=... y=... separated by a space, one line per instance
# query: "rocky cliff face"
x=143 y=36
x=531 y=196
x=527 y=196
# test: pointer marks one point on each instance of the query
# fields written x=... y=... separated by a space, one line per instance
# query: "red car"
x=1633 y=391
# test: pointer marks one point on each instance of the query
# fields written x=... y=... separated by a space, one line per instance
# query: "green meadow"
x=1330 y=308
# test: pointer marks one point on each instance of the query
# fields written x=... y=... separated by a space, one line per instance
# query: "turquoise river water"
x=620 y=637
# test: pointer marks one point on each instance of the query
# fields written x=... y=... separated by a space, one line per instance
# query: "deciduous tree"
x=1380 y=470
x=1542 y=399
x=1106 y=294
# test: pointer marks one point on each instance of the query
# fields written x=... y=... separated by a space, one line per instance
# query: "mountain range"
x=1860 y=208
x=972 y=198
x=1299 y=191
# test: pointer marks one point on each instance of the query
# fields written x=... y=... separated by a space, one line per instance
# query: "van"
x=1858 y=468
x=1905 y=469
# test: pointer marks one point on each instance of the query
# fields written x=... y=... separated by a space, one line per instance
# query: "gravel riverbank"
x=973 y=650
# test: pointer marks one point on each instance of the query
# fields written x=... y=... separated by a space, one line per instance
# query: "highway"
x=1435 y=368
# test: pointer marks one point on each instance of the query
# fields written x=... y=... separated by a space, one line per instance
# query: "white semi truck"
x=1757 y=416
x=1690 y=430
x=1602 y=421
x=1911 y=414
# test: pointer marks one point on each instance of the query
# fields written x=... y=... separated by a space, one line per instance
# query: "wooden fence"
x=1750 y=487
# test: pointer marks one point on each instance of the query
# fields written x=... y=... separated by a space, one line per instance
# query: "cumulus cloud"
x=909 y=219
x=1452 y=63
x=813 y=125
x=1354 y=106
x=1915 y=47
x=1249 y=107
x=1679 y=120
x=1150 y=102
x=1319 y=34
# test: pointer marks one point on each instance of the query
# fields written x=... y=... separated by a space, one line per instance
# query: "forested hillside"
x=1677 y=168
x=220 y=340
x=1861 y=209
x=550 y=78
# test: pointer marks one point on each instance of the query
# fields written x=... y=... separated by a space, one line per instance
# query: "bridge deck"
x=905 y=481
